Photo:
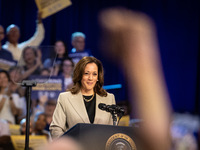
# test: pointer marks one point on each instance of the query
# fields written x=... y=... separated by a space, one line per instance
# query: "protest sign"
x=35 y=141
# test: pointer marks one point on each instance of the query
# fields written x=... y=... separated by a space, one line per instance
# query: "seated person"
x=67 y=67
x=58 y=54
x=45 y=72
x=15 y=73
x=23 y=127
x=78 y=51
x=40 y=124
x=4 y=54
x=10 y=104
x=33 y=62
x=6 y=58
x=4 y=127
x=49 y=110
x=37 y=127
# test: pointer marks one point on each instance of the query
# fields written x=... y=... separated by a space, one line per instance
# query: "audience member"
x=6 y=58
x=13 y=35
x=40 y=124
x=39 y=105
x=184 y=127
x=44 y=106
x=35 y=129
x=37 y=125
x=60 y=52
x=130 y=37
x=78 y=51
x=67 y=67
x=4 y=53
x=15 y=73
x=10 y=104
x=33 y=62
x=5 y=140
x=4 y=127
x=23 y=127
x=45 y=72
x=49 y=110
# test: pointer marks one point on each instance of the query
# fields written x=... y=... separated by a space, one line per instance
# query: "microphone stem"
x=114 y=117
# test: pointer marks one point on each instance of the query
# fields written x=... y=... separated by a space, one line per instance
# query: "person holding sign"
x=13 y=35
x=80 y=103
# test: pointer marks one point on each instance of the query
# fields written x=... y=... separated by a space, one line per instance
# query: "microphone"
x=118 y=109
x=111 y=108
x=105 y=107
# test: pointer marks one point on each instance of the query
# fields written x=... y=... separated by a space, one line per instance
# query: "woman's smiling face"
x=89 y=78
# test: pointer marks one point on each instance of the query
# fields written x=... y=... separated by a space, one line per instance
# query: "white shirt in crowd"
x=35 y=40
x=6 y=112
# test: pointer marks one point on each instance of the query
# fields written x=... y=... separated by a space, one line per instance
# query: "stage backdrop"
x=177 y=23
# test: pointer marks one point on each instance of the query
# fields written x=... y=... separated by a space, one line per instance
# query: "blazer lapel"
x=79 y=106
x=99 y=113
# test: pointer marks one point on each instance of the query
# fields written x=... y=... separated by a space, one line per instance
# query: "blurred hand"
x=39 y=53
x=124 y=32
x=131 y=40
x=38 y=62
x=39 y=58
x=8 y=90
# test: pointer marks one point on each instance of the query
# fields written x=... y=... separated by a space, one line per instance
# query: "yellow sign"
x=49 y=7
x=35 y=141
x=124 y=121
x=14 y=129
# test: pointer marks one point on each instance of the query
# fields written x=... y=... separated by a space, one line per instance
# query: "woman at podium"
x=80 y=103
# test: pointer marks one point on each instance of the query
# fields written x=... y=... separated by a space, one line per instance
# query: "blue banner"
x=51 y=87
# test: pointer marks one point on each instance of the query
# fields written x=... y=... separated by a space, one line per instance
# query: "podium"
x=105 y=137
